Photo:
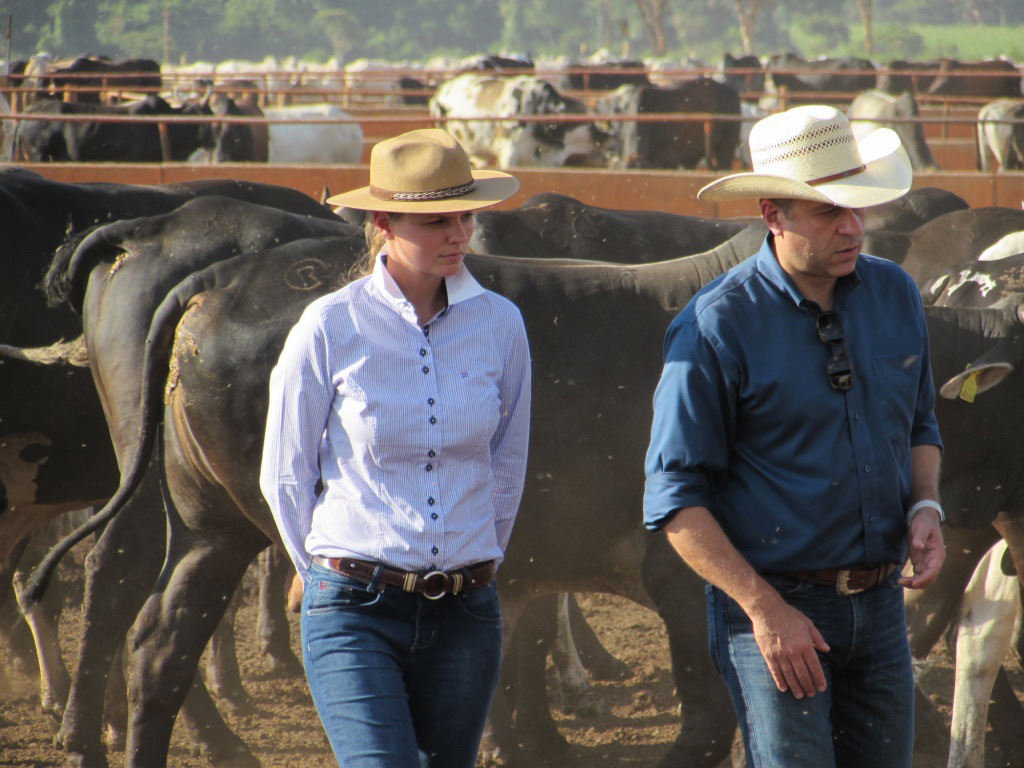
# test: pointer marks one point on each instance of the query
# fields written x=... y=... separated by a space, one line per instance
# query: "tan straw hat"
x=425 y=171
x=810 y=153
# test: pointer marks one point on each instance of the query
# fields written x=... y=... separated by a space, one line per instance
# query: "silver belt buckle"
x=843 y=584
x=426 y=584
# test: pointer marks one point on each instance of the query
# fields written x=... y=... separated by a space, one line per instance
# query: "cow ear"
x=978 y=377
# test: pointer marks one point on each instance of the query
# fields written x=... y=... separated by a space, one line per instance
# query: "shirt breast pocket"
x=897 y=372
x=478 y=393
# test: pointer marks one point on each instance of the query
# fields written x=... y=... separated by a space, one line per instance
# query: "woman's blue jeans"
x=399 y=681
x=866 y=716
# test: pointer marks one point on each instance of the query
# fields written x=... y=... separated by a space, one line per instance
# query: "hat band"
x=434 y=194
x=836 y=176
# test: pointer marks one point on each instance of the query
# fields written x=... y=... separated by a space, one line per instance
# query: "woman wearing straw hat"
x=794 y=453
x=394 y=460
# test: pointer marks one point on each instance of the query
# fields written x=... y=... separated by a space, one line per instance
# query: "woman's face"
x=426 y=245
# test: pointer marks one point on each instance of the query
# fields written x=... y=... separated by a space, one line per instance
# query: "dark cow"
x=514 y=142
x=41 y=140
x=414 y=92
x=88 y=78
x=992 y=79
x=912 y=210
x=606 y=75
x=674 y=143
x=55 y=452
x=555 y=226
x=519 y=65
x=955 y=238
x=1001 y=132
x=847 y=75
x=901 y=75
x=873 y=109
x=743 y=73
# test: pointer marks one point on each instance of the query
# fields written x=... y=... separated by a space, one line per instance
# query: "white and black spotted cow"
x=515 y=142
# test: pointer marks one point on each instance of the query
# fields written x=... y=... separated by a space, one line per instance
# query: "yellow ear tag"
x=969 y=389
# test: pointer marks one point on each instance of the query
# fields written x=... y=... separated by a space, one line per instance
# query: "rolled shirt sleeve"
x=692 y=425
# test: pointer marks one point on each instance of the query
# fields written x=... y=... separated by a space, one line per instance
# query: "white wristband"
x=925 y=504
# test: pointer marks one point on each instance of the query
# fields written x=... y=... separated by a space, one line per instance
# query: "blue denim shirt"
x=799 y=475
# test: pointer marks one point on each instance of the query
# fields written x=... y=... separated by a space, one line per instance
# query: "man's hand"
x=789 y=642
x=927 y=551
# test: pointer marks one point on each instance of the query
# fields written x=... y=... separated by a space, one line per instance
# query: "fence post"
x=165 y=142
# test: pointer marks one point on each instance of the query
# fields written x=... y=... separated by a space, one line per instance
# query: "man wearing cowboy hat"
x=794 y=453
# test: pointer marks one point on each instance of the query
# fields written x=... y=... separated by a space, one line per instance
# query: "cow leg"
x=986 y=628
x=223 y=678
x=42 y=619
x=535 y=730
x=169 y=636
x=1005 y=715
x=275 y=572
x=20 y=656
x=573 y=682
x=595 y=657
x=120 y=571
x=708 y=719
x=115 y=706
x=930 y=611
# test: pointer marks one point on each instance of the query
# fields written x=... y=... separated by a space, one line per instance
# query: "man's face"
x=815 y=240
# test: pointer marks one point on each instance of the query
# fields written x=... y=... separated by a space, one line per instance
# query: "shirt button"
x=426 y=369
x=434 y=550
x=429 y=467
x=430 y=401
x=433 y=419
x=431 y=453
x=423 y=352
x=867 y=467
x=433 y=515
x=430 y=500
x=856 y=417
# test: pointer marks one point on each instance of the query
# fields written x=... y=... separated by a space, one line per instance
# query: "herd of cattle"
x=138 y=382
x=504 y=111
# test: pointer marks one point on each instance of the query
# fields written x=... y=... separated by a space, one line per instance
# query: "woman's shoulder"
x=338 y=300
x=501 y=309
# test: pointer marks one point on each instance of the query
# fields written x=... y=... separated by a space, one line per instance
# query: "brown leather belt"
x=847 y=581
x=433 y=585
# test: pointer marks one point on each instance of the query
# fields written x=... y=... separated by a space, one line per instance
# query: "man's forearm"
x=924 y=472
x=699 y=540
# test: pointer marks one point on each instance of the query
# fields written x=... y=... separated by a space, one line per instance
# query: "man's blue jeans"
x=865 y=719
x=399 y=681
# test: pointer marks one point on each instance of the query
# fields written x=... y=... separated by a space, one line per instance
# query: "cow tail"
x=154 y=373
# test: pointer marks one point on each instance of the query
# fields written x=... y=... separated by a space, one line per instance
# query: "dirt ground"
x=632 y=725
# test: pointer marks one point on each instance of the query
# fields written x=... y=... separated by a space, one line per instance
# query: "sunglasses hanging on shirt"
x=839 y=368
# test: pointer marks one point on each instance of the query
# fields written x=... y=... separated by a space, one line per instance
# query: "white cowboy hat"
x=425 y=171
x=810 y=153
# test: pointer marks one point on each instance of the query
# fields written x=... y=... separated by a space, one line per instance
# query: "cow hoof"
x=238 y=758
x=91 y=759
x=116 y=737
x=237 y=702
x=542 y=746
x=283 y=665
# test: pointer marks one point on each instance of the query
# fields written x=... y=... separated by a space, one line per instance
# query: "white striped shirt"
x=418 y=435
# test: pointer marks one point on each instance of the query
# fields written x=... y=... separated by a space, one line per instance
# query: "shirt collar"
x=459 y=287
x=769 y=268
